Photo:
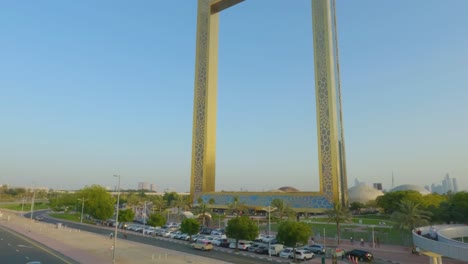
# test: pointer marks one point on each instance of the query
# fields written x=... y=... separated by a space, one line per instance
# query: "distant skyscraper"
x=455 y=185
x=153 y=187
x=143 y=186
x=448 y=185
x=378 y=186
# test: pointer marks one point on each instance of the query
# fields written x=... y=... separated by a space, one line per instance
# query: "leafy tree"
x=181 y=202
x=291 y=232
x=338 y=214
x=453 y=210
x=126 y=215
x=135 y=198
x=190 y=226
x=460 y=202
x=60 y=201
x=158 y=203
x=433 y=199
x=356 y=207
x=241 y=228
x=156 y=220
x=169 y=197
x=282 y=209
x=390 y=201
x=99 y=202
x=409 y=215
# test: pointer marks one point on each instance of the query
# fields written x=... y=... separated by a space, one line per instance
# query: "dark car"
x=224 y=242
x=262 y=250
x=360 y=254
x=316 y=249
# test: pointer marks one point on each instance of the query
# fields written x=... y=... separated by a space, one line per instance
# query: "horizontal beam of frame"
x=220 y=5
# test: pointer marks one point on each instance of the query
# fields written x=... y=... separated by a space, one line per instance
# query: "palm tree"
x=202 y=209
x=282 y=209
x=158 y=203
x=181 y=202
x=338 y=214
x=236 y=207
x=409 y=215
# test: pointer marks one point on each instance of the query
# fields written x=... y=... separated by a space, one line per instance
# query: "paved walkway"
x=391 y=254
x=90 y=248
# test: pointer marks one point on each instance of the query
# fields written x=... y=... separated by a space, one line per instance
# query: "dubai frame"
x=332 y=166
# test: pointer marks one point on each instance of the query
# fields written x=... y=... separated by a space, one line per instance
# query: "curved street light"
x=116 y=219
x=82 y=207
x=269 y=209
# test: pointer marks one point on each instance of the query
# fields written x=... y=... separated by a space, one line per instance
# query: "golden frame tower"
x=332 y=165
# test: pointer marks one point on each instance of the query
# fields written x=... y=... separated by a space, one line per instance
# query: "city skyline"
x=89 y=91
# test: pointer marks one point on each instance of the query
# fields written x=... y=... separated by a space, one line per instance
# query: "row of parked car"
x=263 y=244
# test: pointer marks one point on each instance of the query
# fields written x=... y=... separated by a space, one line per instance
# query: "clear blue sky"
x=95 y=88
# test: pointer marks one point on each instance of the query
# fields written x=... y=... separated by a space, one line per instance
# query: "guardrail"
x=436 y=239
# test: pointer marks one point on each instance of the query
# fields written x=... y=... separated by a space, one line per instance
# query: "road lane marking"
x=24 y=246
x=34 y=243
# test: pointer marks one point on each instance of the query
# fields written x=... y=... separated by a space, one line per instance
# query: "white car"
x=301 y=254
x=216 y=241
x=243 y=245
x=268 y=238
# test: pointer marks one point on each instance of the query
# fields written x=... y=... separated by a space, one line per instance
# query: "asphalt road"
x=16 y=248
x=159 y=242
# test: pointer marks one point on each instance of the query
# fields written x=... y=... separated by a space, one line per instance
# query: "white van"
x=275 y=249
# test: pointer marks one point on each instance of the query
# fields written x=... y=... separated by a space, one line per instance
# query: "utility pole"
x=116 y=219
x=82 y=208
x=32 y=203
x=144 y=214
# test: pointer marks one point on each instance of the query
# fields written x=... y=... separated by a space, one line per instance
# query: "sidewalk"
x=393 y=254
x=90 y=248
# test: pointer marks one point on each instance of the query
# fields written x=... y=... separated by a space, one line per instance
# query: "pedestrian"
x=377 y=240
x=111 y=235
x=351 y=240
x=362 y=242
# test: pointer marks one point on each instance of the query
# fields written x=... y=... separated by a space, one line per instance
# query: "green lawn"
x=358 y=220
x=74 y=217
x=26 y=207
x=386 y=234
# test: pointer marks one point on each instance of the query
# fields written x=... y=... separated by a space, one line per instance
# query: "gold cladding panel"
x=205 y=95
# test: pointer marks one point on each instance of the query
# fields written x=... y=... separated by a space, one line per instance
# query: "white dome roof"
x=363 y=194
x=410 y=187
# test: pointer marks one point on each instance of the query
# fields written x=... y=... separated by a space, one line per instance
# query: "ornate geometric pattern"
x=321 y=53
x=332 y=167
x=201 y=94
x=305 y=201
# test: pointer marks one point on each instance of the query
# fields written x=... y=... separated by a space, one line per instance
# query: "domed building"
x=410 y=187
x=288 y=189
x=363 y=194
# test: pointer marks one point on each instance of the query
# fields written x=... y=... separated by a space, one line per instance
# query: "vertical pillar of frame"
x=332 y=165
x=205 y=97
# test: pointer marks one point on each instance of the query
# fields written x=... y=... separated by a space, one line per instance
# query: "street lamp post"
x=116 y=219
x=82 y=208
x=269 y=209
x=373 y=241
x=32 y=203
x=22 y=206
